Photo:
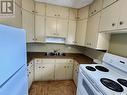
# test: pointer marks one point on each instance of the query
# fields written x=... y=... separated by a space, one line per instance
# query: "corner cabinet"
x=114 y=18
x=94 y=39
x=95 y=7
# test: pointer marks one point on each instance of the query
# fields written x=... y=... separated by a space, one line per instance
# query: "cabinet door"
x=51 y=10
x=28 y=5
x=62 y=28
x=38 y=72
x=51 y=27
x=109 y=17
x=39 y=28
x=92 y=33
x=69 y=70
x=75 y=72
x=81 y=32
x=108 y=2
x=47 y=71
x=73 y=14
x=63 y=12
x=71 y=32
x=28 y=25
x=60 y=69
x=40 y=8
x=122 y=22
x=95 y=7
x=83 y=13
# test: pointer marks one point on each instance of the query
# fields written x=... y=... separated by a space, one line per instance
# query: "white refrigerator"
x=13 y=67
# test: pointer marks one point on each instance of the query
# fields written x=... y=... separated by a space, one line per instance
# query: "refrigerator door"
x=17 y=85
x=12 y=52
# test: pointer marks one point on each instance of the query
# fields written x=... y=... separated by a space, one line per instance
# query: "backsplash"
x=118 y=44
x=51 y=47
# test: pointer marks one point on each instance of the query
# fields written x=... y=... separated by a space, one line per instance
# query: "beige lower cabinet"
x=53 y=69
x=44 y=69
x=30 y=73
x=75 y=72
x=60 y=69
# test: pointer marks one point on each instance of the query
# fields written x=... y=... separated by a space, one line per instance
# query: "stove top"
x=111 y=84
x=90 y=68
x=101 y=68
x=122 y=82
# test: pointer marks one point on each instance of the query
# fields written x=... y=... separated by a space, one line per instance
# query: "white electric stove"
x=108 y=78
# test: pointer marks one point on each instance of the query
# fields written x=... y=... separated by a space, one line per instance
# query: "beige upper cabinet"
x=28 y=19
x=28 y=25
x=122 y=22
x=108 y=2
x=94 y=39
x=39 y=28
x=62 y=28
x=57 y=11
x=28 y=5
x=40 y=8
x=109 y=17
x=51 y=26
x=56 y=27
x=95 y=7
x=83 y=13
x=73 y=14
x=71 y=32
x=81 y=32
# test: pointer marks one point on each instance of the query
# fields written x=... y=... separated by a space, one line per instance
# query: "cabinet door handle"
x=39 y=67
x=113 y=24
x=43 y=67
x=121 y=22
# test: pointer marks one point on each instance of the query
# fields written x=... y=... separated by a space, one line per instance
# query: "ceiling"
x=68 y=3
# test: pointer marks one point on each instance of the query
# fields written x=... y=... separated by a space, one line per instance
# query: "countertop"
x=80 y=58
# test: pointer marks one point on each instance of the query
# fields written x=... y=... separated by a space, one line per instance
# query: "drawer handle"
x=39 y=67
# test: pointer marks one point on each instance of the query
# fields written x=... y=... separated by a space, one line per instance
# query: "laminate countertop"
x=80 y=58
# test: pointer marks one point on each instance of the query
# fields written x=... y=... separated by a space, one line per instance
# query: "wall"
x=118 y=44
x=51 y=47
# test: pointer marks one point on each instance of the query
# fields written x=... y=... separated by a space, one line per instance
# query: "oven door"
x=85 y=87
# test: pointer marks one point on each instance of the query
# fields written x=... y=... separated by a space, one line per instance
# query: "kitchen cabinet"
x=94 y=39
x=81 y=32
x=28 y=25
x=95 y=7
x=44 y=69
x=60 y=69
x=40 y=8
x=39 y=28
x=109 y=17
x=122 y=21
x=69 y=69
x=75 y=72
x=106 y=3
x=57 y=11
x=56 y=27
x=30 y=73
x=71 y=32
x=83 y=13
x=28 y=19
x=114 y=17
x=73 y=13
